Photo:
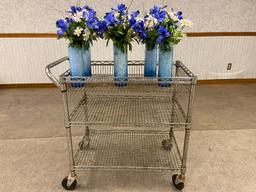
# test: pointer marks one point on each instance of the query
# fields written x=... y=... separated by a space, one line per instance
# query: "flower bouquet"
x=80 y=28
x=118 y=29
x=163 y=29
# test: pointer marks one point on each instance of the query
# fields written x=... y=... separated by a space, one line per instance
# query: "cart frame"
x=183 y=77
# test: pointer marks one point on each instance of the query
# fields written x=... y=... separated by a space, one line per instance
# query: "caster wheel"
x=83 y=146
x=167 y=144
x=178 y=183
x=69 y=184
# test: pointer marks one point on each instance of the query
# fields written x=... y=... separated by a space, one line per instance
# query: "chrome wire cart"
x=129 y=125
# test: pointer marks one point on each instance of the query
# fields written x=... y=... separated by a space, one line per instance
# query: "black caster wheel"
x=83 y=146
x=167 y=144
x=69 y=184
x=177 y=182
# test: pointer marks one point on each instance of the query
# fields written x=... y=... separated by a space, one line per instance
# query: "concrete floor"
x=222 y=156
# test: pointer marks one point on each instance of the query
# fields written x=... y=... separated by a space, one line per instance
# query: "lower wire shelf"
x=128 y=150
x=121 y=111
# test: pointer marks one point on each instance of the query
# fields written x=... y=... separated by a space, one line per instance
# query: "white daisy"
x=77 y=16
x=186 y=22
x=173 y=16
x=86 y=34
x=78 y=31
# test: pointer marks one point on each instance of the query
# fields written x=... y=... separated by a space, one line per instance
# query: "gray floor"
x=222 y=154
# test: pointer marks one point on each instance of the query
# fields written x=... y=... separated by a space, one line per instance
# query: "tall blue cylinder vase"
x=120 y=67
x=150 y=61
x=165 y=66
x=80 y=64
x=86 y=55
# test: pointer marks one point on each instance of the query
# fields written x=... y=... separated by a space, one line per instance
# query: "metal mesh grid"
x=146 y=89
x=157 y=112
x=103 y=72
x=128 y=150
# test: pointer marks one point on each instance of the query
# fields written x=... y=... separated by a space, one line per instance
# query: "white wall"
x=207 y=15
x=23 y=60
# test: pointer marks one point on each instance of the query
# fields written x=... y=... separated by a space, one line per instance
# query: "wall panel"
x=23 y=60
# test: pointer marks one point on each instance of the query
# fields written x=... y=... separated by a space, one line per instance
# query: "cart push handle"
x=49 y=73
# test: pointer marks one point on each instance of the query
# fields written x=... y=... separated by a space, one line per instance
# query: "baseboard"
x=200 y=82
x=227 y=81
x=27 y=85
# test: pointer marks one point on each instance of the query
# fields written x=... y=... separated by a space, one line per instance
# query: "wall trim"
x=219 y=34
x=200 y=82
x=190 y=34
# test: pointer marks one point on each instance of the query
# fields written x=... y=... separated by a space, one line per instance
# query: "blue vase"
x=86 y=55
x=80 y=64
x=165 y=66
x=120 y=67
x=150 y=61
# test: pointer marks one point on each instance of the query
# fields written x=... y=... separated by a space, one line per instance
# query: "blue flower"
x=74 y=9
x=92 y=23
x=60 y=32
x=138 y=27
x=62 y=25
x=88 y=13
x=110 y=19
x=158 y=13
x=78 y=9
x=121 y=8
x=163 y=34
x=68 y=21
x=179 y=15
x=132 y=19
x=101 y=27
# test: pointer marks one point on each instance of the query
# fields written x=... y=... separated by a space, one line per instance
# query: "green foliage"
x=121 y=35
x=175 y=37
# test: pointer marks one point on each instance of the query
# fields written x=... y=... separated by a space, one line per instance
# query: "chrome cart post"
x=188 y=128
x=70 y=181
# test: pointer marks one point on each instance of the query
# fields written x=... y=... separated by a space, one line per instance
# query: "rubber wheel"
x=179 y=185
x=71 y=187
x=166 y=144
x=81 y=145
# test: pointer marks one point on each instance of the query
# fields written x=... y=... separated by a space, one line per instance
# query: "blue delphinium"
x=137 y=24
x=110 y=19
x=163 y=33
x=121 y=8
x=179 y=15
x=62 y=25
x=158 y=12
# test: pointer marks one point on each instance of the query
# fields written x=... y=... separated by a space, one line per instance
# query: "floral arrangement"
x=118 y=28
x=160 y=27
x=80 y=28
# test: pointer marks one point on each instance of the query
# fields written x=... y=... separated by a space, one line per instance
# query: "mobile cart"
x=130 y=126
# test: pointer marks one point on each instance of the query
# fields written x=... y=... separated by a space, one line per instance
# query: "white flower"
x=77 y=16
x=150 y=21
x=186 y=22
x=78 y=31
x=116 y=14
x=139 y=18
x=173 y=16
x=86 y=34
